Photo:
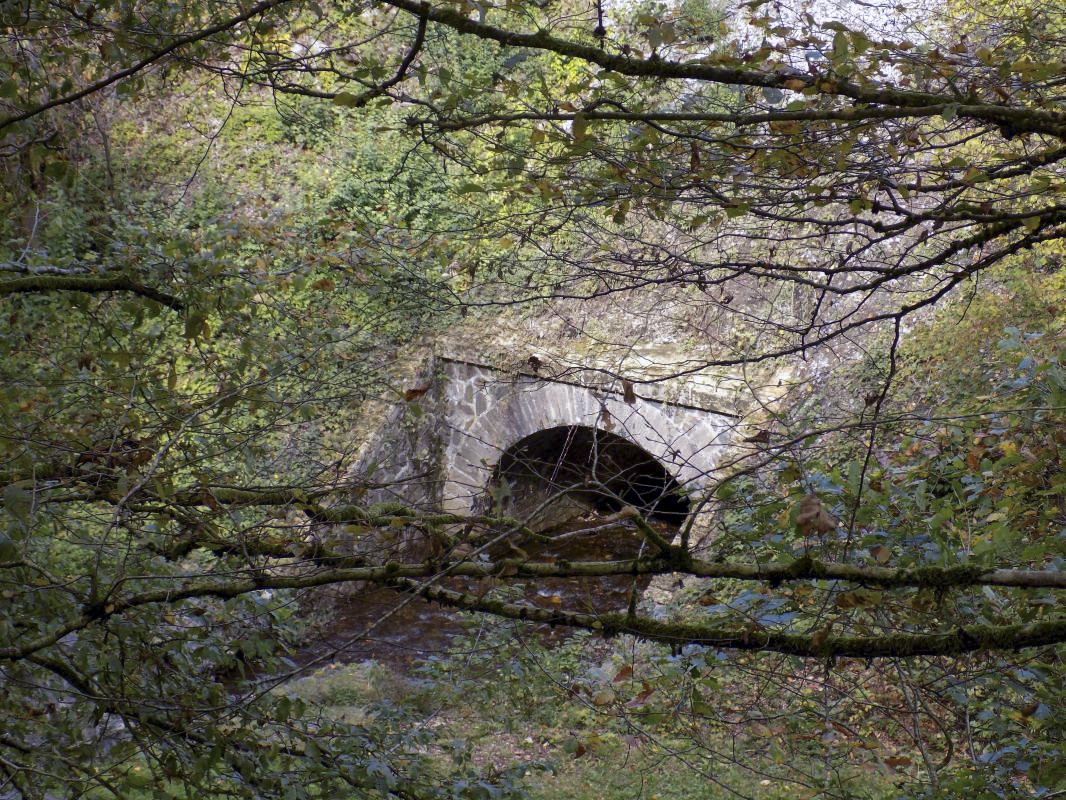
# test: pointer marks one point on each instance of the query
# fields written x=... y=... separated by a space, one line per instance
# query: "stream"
x=394 y=628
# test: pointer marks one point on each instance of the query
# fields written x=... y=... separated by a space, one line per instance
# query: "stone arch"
x=486 y=412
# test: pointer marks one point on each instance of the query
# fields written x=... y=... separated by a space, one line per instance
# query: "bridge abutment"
x=441 y=448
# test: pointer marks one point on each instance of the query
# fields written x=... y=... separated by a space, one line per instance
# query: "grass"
x=583 y=733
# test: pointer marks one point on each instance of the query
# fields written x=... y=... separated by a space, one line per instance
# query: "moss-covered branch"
x=965 y=639
x=773 y=573
x=393 y=514
x=33 y=284
x=419 y=577
x=1016 y=118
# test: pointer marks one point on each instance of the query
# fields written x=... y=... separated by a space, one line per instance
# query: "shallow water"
x=401 y=630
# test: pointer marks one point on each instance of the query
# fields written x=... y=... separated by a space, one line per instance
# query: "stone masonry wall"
x=486 y=411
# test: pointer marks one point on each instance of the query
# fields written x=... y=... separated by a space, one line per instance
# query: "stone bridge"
x=483 y=437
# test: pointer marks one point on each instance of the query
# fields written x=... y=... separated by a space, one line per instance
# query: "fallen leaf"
x=813 y=518
x=603 y=697
x=894 y=762
x=418 y=391
x=819 y=638
x=641 y=698
x=605 y=419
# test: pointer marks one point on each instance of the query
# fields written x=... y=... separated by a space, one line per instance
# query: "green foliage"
x=119 y=407
x=196 y=323
x=974 y=478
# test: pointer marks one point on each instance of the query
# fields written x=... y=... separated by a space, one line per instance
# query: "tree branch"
x=965 y=639
x=148 y=60
x=78 y=283
x=401 y=71
x=403 y=575
x=739 y=120
x=1052 y=123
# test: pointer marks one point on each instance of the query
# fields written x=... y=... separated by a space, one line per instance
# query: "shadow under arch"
x=571 y=467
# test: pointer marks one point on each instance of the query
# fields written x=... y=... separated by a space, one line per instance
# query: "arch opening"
x=571 y=467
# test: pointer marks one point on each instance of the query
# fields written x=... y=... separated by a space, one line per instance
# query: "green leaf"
x=840 y=46
x=579 y=126
x=139 y=777
x=941 y=517
x=55 y=169
x=195 y=325
x=19 y=502
x=8 y=549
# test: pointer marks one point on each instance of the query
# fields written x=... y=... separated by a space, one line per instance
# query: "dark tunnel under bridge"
x=578 y=465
